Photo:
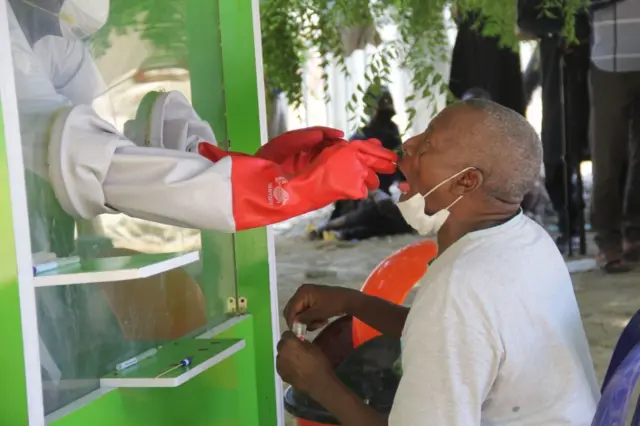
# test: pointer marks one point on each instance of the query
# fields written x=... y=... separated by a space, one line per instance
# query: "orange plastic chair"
x=393 y=279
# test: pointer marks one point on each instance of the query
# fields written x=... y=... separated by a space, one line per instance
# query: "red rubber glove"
x=292 y=150
x=291 y=143
x=262 y=195
x=215 y=153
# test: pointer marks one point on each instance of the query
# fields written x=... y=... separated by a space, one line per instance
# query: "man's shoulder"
x=498 y=258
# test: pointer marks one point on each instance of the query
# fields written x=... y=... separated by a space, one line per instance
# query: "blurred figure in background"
x=553 y=50
x=572 y=84
x=379 y=109
x=615 y=88
x=377 y=215
x=480 y=62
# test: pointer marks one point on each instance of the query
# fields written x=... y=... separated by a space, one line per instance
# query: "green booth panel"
x=137 y=286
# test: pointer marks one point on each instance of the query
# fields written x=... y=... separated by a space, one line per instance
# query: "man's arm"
x=386 y=317
x=345 y=405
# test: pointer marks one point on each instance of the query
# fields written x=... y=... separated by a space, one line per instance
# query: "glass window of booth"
x=109 y=58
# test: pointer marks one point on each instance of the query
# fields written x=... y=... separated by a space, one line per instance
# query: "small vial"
x=299 y=329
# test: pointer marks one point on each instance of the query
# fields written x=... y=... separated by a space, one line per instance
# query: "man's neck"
x=452 y=231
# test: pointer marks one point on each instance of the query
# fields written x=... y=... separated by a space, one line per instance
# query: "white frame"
x=28 y=313
x=82 y=278
x=271 y=248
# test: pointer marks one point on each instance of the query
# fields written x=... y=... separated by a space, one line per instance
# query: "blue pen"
x=183 y=363
x=55 y=264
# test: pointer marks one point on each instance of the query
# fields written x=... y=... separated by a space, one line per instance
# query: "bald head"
x=500 y=143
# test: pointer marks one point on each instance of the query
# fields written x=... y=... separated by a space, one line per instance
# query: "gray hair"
x=505 y=148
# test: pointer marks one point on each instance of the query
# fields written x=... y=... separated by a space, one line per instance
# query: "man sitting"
x=494 y=336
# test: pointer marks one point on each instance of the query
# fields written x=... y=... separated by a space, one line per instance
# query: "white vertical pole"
x=18 y=194
x=273 y=276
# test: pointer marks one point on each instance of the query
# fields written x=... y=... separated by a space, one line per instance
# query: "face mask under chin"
x=413 y=210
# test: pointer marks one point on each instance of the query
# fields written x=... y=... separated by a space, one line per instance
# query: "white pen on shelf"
x=136 y=359
x=55 y=264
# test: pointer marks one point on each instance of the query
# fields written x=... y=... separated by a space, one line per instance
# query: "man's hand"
x=302 y=364
x=314 y=305
x=306 y=369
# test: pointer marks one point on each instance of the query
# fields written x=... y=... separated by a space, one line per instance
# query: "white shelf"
x=205 y=354
x=111 y=269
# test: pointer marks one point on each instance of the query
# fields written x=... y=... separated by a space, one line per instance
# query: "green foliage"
x=161 y=22
x=291 y=29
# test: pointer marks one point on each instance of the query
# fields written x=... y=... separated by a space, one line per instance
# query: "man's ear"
x=468 y=182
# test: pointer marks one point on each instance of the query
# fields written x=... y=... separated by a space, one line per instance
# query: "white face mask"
x=83 y=18
x=79 y=18
x=413 y=210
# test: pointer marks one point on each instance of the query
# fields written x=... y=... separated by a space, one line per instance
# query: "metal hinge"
x=236 y=306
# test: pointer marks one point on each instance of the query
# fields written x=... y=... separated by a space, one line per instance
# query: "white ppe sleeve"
x=94 y=169
x=167 y=120
x=73 y=72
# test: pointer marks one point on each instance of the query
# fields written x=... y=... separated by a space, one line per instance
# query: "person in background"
x=494 y=335
x=377 y=216
x=615 y=147
x=480 y=62
x=572 y=84
x=379 y=108
x=553 y=50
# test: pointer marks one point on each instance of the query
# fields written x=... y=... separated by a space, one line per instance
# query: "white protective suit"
x=92 y=167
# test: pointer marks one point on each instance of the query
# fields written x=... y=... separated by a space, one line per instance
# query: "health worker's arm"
x=94 y=169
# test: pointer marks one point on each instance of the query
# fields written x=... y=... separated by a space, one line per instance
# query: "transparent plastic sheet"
x=87 y=329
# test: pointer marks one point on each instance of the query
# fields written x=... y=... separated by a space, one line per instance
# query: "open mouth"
x=404 y=187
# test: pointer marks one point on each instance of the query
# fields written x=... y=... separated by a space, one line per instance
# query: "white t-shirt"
x=494 y=337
